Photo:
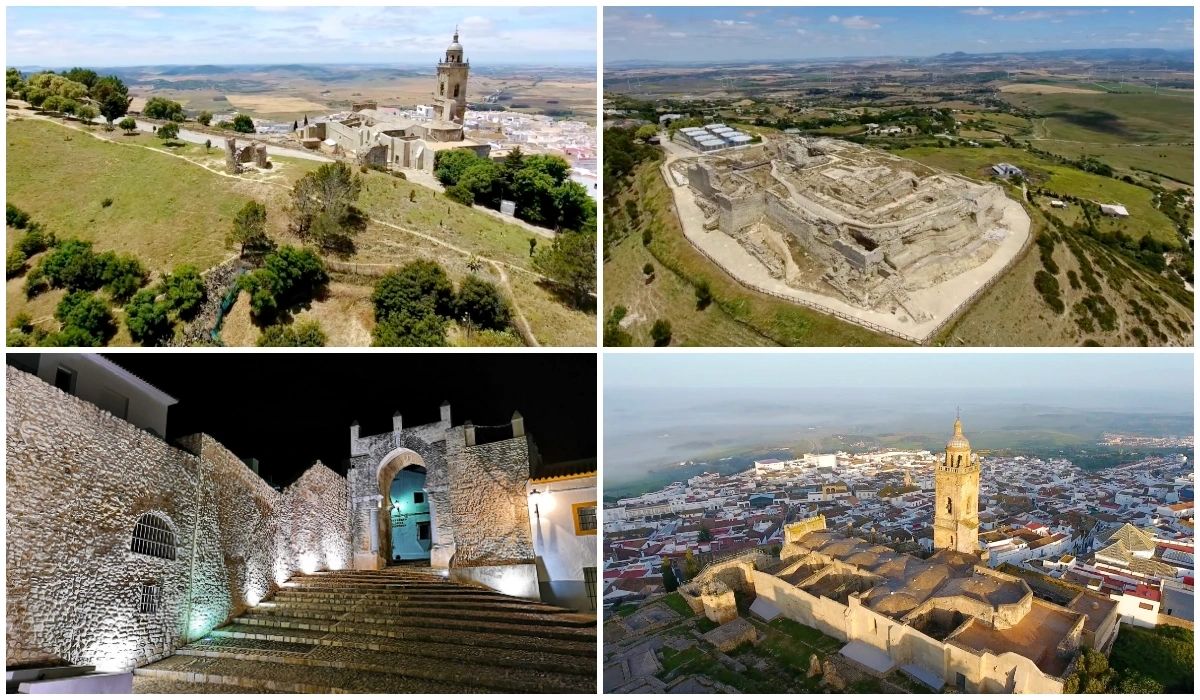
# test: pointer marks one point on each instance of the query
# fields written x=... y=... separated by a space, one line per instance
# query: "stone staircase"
x=400 y=630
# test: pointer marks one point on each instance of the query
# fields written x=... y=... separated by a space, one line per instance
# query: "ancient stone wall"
x=487 y=485
x=79 y=479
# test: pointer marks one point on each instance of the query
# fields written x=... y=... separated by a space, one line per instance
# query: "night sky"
x=291 y=409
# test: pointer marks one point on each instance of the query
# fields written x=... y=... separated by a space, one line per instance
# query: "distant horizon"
x=276 y=64
x=680 y=35
x=123 y=37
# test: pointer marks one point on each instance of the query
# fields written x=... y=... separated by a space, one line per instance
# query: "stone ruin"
x=850 y=222
x=236 y=156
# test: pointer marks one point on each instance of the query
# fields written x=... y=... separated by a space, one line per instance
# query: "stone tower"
x=450 y=100
x=956 y=506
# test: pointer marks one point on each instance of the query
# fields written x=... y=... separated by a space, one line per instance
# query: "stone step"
x=564 y=657
x=392 y=624
x=287 y=678
x=487 y=638
x=385 y=614
x=346 y=603
x=153 y=685
x=479 y=672
x=420 y=598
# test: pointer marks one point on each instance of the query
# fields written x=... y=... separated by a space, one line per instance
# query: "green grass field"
x=168 y=211
x=1144 y=218
x=1137 y=117
x=747 y=315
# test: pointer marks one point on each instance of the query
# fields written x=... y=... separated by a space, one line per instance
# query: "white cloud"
x=834 y=18
x=676 y=35
x=859 y=22
x=977 y=12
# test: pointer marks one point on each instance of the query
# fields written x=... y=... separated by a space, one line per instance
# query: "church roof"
x=1133 y=538
x=958 y=441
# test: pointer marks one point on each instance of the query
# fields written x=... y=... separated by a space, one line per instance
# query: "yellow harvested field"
x=1045 y=89
x=268 y=104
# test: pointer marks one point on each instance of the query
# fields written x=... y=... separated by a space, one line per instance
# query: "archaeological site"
x=442 y=557
x=872 y=238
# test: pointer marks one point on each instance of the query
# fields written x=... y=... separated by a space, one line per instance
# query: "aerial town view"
x=301 y=176
x=415 y=535
x=898 y=176
x=898 y=523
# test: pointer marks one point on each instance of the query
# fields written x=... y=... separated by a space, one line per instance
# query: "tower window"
x=456 y=90
x=949 y=506
x=154 y=537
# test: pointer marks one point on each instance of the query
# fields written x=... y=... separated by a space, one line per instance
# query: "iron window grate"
x=153 y=537
x=151 y=599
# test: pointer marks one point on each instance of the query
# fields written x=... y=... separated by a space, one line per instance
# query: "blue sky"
x=749 y=33
x=928 y=371
x=125 y=36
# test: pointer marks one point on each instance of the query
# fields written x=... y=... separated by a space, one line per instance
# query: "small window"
x=151 y=599
x=585 y=518
x=589 y=582
x=423 y=531
x=64 y=378
x=1145 y=606
x=154 y=537
x=456 y=90
x=418 y=497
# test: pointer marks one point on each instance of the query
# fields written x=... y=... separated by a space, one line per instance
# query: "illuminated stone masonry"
x=83 y=485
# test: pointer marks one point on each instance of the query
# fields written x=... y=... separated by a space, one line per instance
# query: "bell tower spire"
x=956 y=507
x=450 y=99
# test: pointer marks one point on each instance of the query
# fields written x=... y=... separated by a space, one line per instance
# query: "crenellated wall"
x=77 y=481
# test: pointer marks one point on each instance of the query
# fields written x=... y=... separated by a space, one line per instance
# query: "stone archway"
x=392 y=464
x=373 y=538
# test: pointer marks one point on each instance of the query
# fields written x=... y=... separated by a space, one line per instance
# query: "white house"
x=1114 y=210
x=564 y=517
x=101 y=382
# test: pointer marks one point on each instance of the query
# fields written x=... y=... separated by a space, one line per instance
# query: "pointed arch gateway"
x=398 y=460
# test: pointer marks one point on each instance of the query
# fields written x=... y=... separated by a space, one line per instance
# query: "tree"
x=85 y=76
x=85 y=319
x=184 y=290
x=660 y=332
x=147 y=318
x=648 y=270
x=480 y=303
x=295 y=126
x=324 y=207
x=420 y=286
x=111 y=96
x=204 y=118
x=243 y=124
x=250 y=228
x=461 y=194
x=128 y=125
x=289 y=276
x=704 y=295
x=576 y=209
x=1092 y=674
x=646 y=132
x=162 y=108
x=691 y=567
x=306 y=334
x=86 y=113
x=705 y=534
x=207 y=145
x=450 y=165
x=570 y=262
x=670 y=583
x=121 y=275
x=408 y=330
x=168 y=132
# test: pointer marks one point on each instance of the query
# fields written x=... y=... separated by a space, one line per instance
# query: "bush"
x=307 y=334
x=22 y=322
x=461 y=194
x=86 y=320
x=14 y=264
x=480 y=302
x=121 y=275
x=128 y=125
x=288 y=277
x=168 y=131
x=72 y=265
x=15 y=217
x=106 y=202
x=204 y=118
x=148 y=318
x=419 y=287
x=647 y=269
x=704 y=295
x=243 y=124
x=660 y=332
x=184 y=290
x=1047 y=286
x=405 y=329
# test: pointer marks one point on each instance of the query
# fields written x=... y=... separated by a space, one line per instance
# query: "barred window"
x=585 y=518
x=589 y=582
x=151 y=598
x=153 y=536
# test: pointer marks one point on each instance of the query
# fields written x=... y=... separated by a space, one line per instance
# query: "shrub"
x=184 y=290
x=15 y=217
x=14 y=264
x=288 y=277
x=660 y=332
x=86 y=320
x=22 y=322
x=461 y=194
x=419 y=286
x=704 y=295
x=481 y=303
x=168 y=131
x=106 y=202
x=121 y=275
x=34 y=241
x=307 y=334
x=405 y=329
x=1047 y=286
x=647 y=269
x=128 y=125
x=72 y=265
x=148 y=318
x=243 y=124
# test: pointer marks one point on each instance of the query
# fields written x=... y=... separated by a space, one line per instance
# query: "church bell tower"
x=450 y=98
x=956 y=507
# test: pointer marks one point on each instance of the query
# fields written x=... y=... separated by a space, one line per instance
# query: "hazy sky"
x=747 y=33
x=929 y=371
x=128 y=36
